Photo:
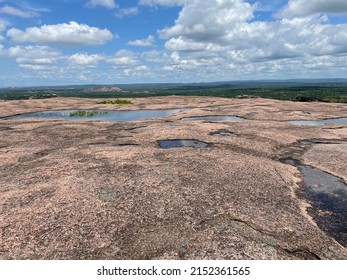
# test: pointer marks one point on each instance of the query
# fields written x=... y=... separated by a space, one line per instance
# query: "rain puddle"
x=213 y=118
x=170 y=144
x=339 y=121
x=223 y=132
x=327 y=195
x=101 y=115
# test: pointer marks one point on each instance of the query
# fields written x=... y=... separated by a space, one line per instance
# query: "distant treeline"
x=301 y=92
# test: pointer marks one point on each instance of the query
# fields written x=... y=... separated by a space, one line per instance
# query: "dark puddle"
x=213 y=118
x=170 y=144
x=327 y=195
x=127 y=144
x=338 y=121
x=223 y=132
x=104 y=115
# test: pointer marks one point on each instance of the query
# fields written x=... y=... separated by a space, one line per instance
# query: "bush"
x=302 y=98
x=84 y=113
x=117 y=101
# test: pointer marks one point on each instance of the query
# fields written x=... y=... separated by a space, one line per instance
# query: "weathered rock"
x=100 y=190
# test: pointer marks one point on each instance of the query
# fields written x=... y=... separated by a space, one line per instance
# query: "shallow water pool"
x=170 y=144
x=327 y=196
x=102 y=115
x=338 y=121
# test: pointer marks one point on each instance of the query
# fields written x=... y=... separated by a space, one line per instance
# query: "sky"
x=64 y=42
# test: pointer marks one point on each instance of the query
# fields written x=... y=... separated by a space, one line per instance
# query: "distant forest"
x=325 y=91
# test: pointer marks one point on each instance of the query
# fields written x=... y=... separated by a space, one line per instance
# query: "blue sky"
x=145 y=41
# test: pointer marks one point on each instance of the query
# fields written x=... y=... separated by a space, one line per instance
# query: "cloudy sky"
x=135 y=41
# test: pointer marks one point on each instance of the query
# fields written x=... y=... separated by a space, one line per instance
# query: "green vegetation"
x=335 y=99
x=117 y=101
x=83 y=113
x=300 y=91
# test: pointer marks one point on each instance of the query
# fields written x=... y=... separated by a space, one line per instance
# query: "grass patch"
x=117 y=101
x=84 y=113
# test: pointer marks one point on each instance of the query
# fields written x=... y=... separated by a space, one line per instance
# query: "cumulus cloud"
x=222 y=39
x=209 y=20
x=34 y=57
x=70 y=33
x=269 y=5
x=149 y=41
x=35 y=67
x=179 y=63
x=137 y=71
x=126 y=12
x=142 y=68
x=84 y=59
x=2 y=26
x=155 y=56
x=17 y=12
x=110 y=4
x=168 y=3
x=302 y=8
x=33 y=52
x=216 y=39
x=227 y=29
x=123 y=58
x=185 y=45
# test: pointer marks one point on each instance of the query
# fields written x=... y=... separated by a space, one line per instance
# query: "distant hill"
x=104 y=89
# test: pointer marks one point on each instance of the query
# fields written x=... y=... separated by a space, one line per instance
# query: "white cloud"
x=123 y=58
x=302 y=8
x=1 y=49
x=189 y=64
x=209 y=20
x=110 y=4
x=84 y=59
x=33 y=52
x=126 y=12
x=227 y=29
x=168 y=3
x=138 y=71
x=142 y=68
x=154 y=56
x=35 y=57
x=210 y=40
x=35 y=67
x=2 y=26
x=70 y=33
x=269 y=5
x=36 y=61
x=143 y=43
x=185 y=45
x=17 y=12
x=219 y=40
